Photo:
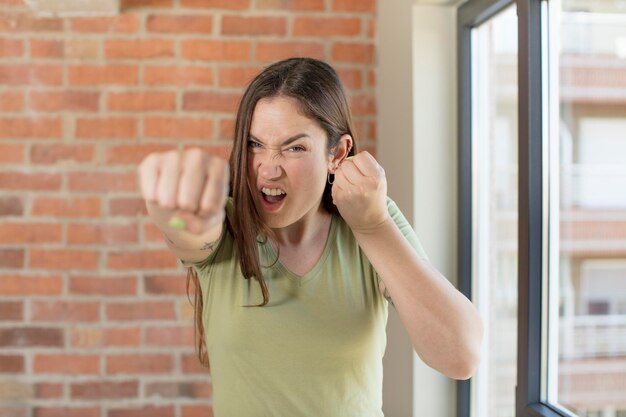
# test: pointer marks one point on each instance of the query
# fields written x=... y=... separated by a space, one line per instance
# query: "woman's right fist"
x=191 y=185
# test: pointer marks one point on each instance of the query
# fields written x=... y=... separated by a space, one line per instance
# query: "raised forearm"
x=444 y=327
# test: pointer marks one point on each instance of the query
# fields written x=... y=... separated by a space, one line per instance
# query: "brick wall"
x=94 y=320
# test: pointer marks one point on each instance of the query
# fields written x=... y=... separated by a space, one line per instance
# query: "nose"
x=269 y=165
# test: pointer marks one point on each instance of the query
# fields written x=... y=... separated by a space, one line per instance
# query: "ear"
x=340 y=152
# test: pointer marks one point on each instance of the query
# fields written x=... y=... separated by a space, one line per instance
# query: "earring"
x=328 y=178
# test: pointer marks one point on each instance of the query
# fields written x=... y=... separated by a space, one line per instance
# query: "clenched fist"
x=190 y=185
x=360 y=192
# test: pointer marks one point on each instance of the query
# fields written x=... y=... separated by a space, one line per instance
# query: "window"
x=494 y=223
x=542 y=159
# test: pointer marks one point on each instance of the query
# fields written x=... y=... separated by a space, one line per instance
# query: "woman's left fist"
x=360 y=193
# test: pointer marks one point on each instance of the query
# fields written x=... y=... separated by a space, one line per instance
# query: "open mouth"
x=272 y=197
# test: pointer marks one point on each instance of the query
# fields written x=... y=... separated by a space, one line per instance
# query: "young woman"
x=296 y=252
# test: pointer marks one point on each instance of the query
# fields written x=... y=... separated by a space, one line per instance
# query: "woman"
x=295 y=266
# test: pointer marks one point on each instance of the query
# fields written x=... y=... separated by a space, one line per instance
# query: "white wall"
x=417 y=148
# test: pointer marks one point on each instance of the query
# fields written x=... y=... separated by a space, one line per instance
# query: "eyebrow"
x=286 y=141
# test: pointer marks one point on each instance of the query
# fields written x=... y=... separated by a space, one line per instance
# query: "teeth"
x=272 y=191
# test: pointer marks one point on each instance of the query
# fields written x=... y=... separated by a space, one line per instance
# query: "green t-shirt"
x=316 y=349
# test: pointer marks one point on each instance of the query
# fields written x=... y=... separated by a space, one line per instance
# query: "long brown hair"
x=317 y=88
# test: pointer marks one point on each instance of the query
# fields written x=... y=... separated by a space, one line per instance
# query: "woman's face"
x=288 y=161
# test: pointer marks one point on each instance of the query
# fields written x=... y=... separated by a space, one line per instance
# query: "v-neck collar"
x=301 y=279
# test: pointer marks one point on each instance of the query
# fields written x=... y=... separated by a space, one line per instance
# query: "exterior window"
x=542 y=205
x=494 y=189
x=588 y=335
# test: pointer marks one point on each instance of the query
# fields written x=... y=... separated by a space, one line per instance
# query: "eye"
x=252 y=144
x=297 y=148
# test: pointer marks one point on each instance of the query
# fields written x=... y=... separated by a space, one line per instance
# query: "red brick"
x=102 y=285
x=165 y=284
x=31 y=74
x=371 y=78
x=30 y=233
x=205 y=50
x=63 y=259
x=11 y=310
x=139 y=364
x=42 y=48
x=55 y=411
x=31 y=128
x=86 y=337
x=131 y=154
x=352 y=79
x=227 y=129
x=190 y=364
x=65 y=311
x=151 y=410
x=170 y=336
x=67 y=364
x=326 y=26
x=91 y=234
x=64 y=100
x=97 y=75
x=23 y=181
x=360 y=53
x=273 y=51
x=136 y=4
x=104 y=390
x=28 y=22
x=178 y=76
x=254 y=25
x=122 y=337
x=126 y=206
x=12 y=153
x=186 y=389
x=151 y=233
x=142 y=101
x=300 y=5
x=211 y=101
x=83 y=48
x=59 y=153
x=31 y=285
x=14 y=411
x=11 y=258
x=31 y=337
x=11 y=206
x=102 y=181
x=146 y=259
x=196 y=411
x=11 y=48
x=46 y=390
x=138 y=49
x=11 y=101
x=67 y=207
x=368 y=6
x=237 y=76
x=217 y=4
x=363 y=105
x=221 y=151
x=122 y=23
x=98 y=337
x=106 y=128
x=145 y=310
x=180 y=24
x=371 y=28
x=161 y=127
x=11 y=364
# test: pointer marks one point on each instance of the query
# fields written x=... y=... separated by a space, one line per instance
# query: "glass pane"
x=494 y=194
x=588 y=332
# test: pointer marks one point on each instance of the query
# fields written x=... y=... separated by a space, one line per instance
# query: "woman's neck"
x=306 y=231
